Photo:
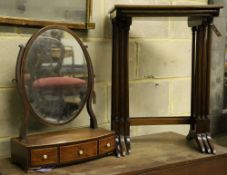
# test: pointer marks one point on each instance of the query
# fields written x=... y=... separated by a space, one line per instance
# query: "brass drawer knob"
x=81 y=152
x=45 y=156
x=108 y=145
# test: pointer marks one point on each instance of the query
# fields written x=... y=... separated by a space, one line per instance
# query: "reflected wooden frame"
x=31 y=22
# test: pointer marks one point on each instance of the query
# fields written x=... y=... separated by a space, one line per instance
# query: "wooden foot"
x=118 y=146
x=123 y=145
x=204 y=142
x=128 y=144
x=211 y=144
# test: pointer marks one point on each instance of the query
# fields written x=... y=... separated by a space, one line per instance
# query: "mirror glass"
x=55 y=76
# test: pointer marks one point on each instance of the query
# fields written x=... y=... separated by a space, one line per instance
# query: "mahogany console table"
x=200 y=19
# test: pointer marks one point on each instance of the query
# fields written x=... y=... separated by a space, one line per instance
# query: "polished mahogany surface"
x=63 y=136
x=152 y=154
x=55 y=79
x=165 y=10
x=200 y=20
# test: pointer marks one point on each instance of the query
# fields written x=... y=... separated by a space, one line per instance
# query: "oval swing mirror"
x=56 y=75
x=55 y=78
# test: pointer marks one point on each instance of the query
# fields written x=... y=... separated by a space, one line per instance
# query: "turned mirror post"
x=200 y=20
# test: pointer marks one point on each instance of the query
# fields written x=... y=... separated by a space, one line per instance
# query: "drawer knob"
x=45 y=156
x=81 y=152
x=108 y=145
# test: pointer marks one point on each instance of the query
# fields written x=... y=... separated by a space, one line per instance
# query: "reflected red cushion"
x=58 y=82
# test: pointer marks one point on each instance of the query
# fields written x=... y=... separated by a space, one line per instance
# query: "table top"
x=164 y=10
x=63 y=136
x=154 y=152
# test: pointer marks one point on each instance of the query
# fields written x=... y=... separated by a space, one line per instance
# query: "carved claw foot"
x=118 y=146
x=128 y=144
x=204 y=141
x=211 y=144
x=123 y=145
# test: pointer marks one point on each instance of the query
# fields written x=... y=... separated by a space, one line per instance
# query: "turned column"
x=200 y=94
x=120 y=81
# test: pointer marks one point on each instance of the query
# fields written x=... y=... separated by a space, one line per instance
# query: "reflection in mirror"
x=56 y=76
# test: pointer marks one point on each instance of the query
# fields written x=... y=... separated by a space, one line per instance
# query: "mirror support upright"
x=24 y=124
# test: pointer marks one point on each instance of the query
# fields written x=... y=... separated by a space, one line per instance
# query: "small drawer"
x=106 y=145
x=44 y=156
x=80 y=151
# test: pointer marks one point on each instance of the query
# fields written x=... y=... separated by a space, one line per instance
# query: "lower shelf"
x=61 y=147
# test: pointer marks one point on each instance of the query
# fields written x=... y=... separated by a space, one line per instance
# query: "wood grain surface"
x=157 y=154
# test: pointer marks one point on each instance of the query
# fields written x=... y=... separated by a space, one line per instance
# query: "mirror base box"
x=61 y=147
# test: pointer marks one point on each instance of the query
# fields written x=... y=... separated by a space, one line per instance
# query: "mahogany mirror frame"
x=65 y=146
x=20 y=67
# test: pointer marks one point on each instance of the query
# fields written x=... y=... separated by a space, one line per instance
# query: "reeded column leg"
x=200 y=93
x=120 y=84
